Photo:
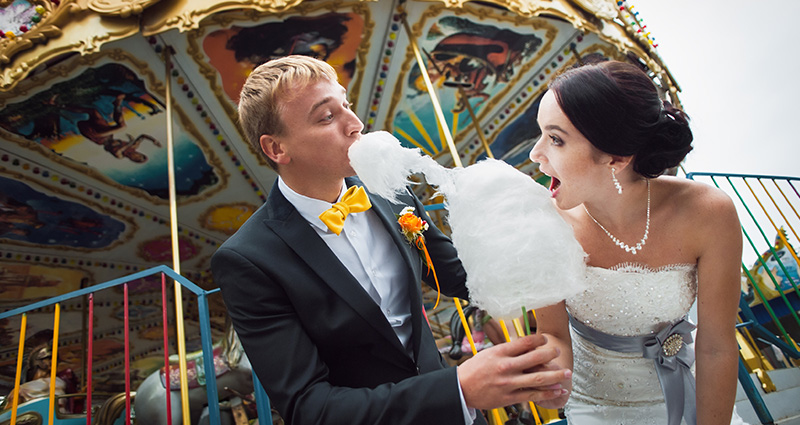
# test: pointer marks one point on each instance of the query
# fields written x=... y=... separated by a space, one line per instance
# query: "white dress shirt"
x=366 y=249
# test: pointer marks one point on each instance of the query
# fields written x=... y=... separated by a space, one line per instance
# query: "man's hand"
x=513 y=372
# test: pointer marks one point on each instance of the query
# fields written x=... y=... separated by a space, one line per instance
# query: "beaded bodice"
x=626 y=300
x=631 y=299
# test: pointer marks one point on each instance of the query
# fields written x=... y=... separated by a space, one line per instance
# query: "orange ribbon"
x=420 y=242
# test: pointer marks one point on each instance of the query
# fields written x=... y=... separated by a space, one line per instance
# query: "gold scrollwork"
x=186 y=16
x=603 y=9
x=53 y=36
x=121 y=8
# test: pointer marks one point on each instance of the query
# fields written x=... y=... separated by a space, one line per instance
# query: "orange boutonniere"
x=412 y=228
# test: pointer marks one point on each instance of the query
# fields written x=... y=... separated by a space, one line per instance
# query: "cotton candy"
x=516 y=248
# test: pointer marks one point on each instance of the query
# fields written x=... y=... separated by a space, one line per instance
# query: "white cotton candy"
x=515 y=247
x=383 y=164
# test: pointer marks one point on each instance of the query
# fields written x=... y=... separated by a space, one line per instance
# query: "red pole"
x=127 y=360
x=166 y=346
x=89 y=362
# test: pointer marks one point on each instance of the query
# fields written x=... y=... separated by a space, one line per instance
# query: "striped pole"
x=166 y=347
x=127 y=357
x=89 y=350
x=54 y=365
x=15 y=400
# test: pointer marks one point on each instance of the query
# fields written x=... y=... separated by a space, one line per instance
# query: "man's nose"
x=354 y=125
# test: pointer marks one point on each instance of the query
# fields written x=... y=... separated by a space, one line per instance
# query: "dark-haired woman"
x=655 y=243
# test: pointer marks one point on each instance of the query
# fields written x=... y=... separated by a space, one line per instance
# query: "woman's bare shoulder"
x=698 y=202
x=690 y=193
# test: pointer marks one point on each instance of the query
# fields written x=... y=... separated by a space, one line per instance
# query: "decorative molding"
x=121 y=8
x=603 y=9
x=186 y=15
x=69 y=28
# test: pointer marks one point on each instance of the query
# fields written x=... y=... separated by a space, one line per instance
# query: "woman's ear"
x=621 y=162
x=272 y=148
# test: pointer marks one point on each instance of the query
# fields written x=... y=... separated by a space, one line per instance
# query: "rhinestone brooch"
x=672 y=345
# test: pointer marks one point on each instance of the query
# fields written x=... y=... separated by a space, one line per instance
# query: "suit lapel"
x=290 y=226
x=388 y=215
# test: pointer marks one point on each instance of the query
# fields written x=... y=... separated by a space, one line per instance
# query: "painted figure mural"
x=108 y=112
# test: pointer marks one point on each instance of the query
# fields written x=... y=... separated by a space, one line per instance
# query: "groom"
x=330 y=312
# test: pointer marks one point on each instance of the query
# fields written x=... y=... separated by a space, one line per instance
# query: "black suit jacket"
x=321 y=347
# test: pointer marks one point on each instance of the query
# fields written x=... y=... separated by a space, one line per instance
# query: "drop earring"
x=614 y=179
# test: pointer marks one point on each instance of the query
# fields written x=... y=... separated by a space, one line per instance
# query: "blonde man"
x=332 y=320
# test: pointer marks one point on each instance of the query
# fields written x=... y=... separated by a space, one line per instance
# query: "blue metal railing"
x=738 y=185
x=204 y=323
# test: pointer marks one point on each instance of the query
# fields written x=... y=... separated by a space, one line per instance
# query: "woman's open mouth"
x=555 y=183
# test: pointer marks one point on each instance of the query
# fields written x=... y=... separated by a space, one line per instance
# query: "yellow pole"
x=437 y=108
x=476 y=124
x=54 y=365
x=472 y=115
x=15 y=400
x=457 y=160
x=176 y=261
x=518 y=329
x=505 y=330
x=465 y=323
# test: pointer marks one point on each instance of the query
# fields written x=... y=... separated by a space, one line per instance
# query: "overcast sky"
x=736 y=62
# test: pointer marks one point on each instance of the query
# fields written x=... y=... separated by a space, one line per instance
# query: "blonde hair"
x=269 y=87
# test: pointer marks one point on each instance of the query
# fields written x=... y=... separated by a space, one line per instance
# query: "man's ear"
x=272 y=147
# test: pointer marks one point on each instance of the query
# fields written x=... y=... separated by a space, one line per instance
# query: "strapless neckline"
x=644 y=268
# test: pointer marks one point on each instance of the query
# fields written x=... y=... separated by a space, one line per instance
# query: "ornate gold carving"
x=525 y=8
x=186 y=15
x=603 y=9
x=121 y=8
x=62 y=30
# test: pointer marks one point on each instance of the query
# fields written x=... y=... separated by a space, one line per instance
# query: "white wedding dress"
x=611 y=387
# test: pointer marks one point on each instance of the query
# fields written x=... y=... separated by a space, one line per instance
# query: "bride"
x=654 y=243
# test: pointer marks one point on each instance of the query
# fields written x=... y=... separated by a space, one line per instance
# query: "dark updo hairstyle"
x=617 y=108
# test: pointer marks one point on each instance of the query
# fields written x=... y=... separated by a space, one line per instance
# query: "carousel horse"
x=34 y=391
x=234 y=379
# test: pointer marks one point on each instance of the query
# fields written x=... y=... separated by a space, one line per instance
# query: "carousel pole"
x=176 y=261
x=465 y=99
x=18 y=376
x=437 y=108
x=457 y=160
x=475 y=123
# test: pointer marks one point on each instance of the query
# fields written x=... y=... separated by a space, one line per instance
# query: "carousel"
x=122 y=166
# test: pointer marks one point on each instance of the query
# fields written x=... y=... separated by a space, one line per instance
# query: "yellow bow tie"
x=354 y=200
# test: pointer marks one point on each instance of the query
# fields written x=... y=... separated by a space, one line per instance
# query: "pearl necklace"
x=632 y=249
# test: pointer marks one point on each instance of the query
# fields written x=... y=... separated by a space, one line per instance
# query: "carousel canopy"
x=84 y=88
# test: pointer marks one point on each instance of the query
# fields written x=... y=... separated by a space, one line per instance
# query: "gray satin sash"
x=672 y=356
